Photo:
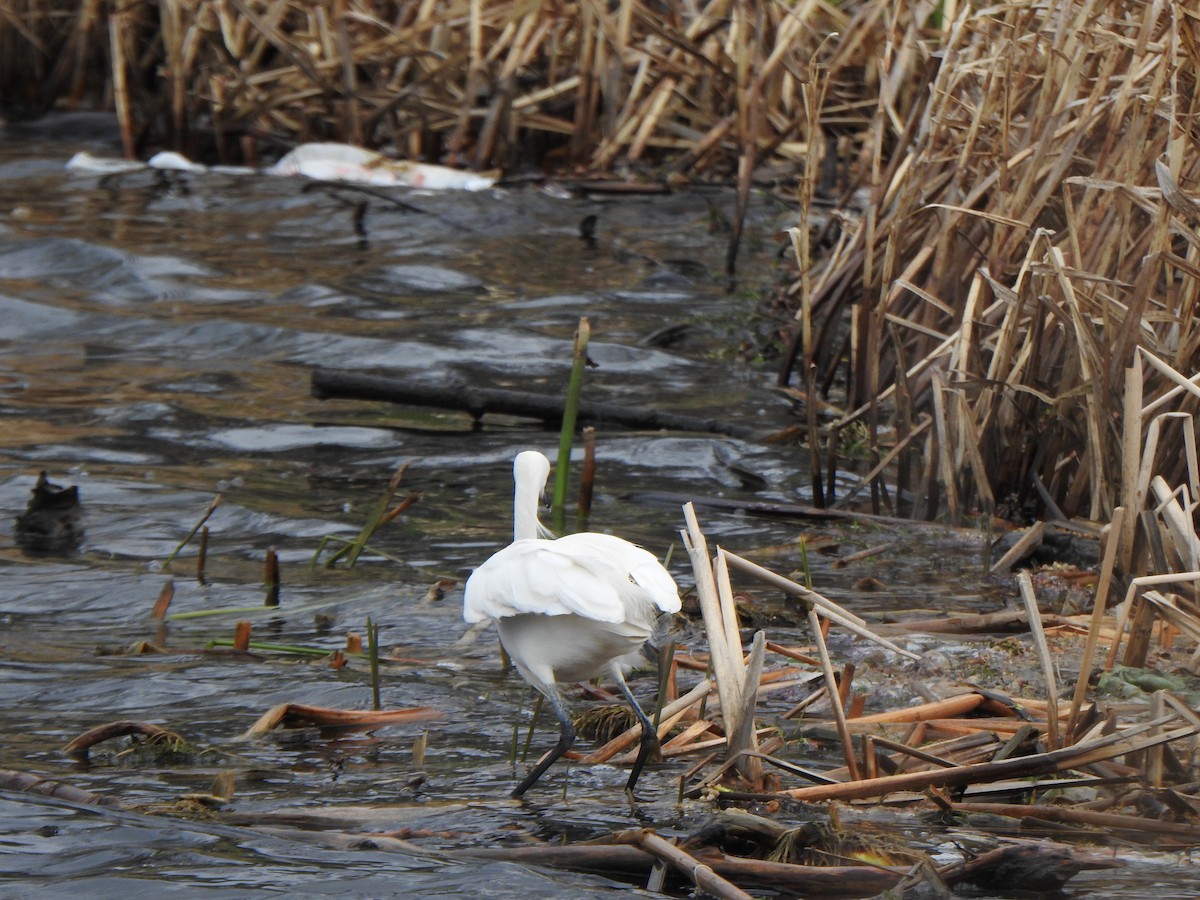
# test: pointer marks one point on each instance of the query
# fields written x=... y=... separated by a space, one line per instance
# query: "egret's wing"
x=537 y=576
x=639 y=566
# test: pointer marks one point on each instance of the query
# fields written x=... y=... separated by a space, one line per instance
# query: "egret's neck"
x=525 y=522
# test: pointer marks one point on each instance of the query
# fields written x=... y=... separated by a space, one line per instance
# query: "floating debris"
x=345 y=162
x=89 y=163
x=174 y=162
x=336 y=721
x=320 y=161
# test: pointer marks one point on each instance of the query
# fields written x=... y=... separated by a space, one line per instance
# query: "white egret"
x=569 y=609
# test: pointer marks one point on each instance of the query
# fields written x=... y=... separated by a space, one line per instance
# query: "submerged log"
x=478 y=401
x=1027 y=866
x=23 y=782
x=809 y=881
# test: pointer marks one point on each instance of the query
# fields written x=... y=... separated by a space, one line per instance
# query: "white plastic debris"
x=345 y=162
x=174 y=162
x=321 y=161
x=101 y=165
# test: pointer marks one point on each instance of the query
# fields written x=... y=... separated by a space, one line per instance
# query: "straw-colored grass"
x=1024 y=224
x=477 y=82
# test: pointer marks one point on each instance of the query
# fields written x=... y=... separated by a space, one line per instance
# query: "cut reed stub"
x=165 y=596
x=241 y=636
x=271 y=578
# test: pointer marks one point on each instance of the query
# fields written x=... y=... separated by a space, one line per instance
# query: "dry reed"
x=475 y=82
x=1018 y=239
x=1013 y=232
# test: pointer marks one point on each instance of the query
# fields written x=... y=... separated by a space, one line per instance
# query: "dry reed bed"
x=478 y=82
x=1020 y=243
x=1016 y=233
x=1022 y=221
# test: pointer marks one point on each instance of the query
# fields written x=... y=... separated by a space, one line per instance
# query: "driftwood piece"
x=809 y=881
x=478 y=401
x=25 y=783
x=1008 y=620
x=1025 y=866
x=1148 y=829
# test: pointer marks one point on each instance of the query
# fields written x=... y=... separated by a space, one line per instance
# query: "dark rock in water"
x=1059 y=544
x=51 y=522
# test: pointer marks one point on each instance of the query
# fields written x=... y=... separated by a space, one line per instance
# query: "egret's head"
x=531 y=468
x=530 y=471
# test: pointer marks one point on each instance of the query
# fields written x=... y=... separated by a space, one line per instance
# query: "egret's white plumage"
x=568 y=609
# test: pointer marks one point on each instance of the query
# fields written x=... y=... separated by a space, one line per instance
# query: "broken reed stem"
x=566 y=434
x=1049 y=762
x=1043 y=651
x=835 y=698
x=744 y=740
x=720 y=626
x=165 y=596
x=700 y=874
x=1023 y=546
x=1099 y=610
x=729 y=616
x=216 y=501
x=667 y=687
x=241 y=636
x=830 y=611
x=676 y=708
x=537 y=714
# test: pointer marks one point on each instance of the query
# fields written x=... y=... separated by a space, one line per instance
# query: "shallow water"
x=157 y=336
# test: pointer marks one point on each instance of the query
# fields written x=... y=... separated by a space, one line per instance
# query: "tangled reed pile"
x=1013 y=242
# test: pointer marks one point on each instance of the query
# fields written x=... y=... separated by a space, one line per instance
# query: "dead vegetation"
x=1020 y=256
x=1004 y=299
x=738 y=727
x=479 y=83
x=1013 y=227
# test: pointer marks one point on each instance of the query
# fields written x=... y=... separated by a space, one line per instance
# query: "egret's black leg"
x=649 y=743
x=565 y=740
